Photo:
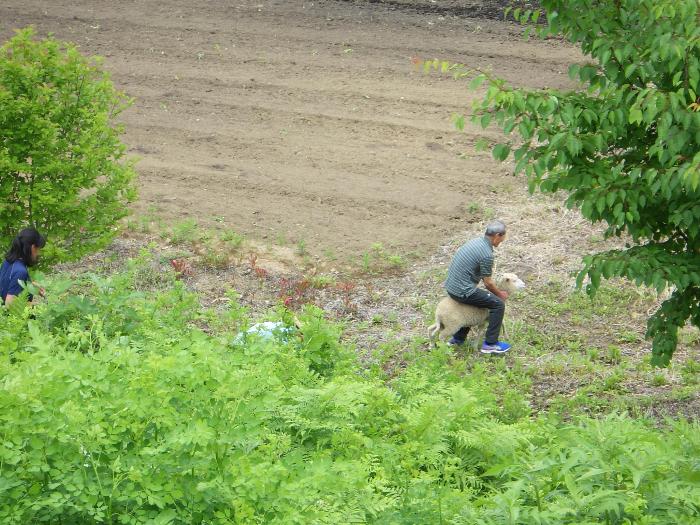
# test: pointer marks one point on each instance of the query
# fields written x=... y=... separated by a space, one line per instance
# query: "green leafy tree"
x=624 y=147
x=62 y=165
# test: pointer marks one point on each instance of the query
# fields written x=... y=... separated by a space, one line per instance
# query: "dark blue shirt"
x=10 y=275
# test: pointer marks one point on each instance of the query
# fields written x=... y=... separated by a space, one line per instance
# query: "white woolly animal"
x=450 y=315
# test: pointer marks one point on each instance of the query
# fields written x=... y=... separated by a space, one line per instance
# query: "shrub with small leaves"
x=62 y=164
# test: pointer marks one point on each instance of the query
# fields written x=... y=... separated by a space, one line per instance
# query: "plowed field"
x=304 y=121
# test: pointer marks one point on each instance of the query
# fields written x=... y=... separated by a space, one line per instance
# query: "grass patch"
x=378 y=260
x=565 y=359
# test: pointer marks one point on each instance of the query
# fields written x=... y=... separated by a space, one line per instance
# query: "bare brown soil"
x=303 y=120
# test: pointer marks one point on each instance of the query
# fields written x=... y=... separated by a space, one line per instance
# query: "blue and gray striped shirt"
x=472 y=262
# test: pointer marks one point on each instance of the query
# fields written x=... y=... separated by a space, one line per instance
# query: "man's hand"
x=491 y=287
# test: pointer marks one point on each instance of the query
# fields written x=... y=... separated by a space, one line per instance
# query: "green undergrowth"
x=590 y=354
x=573 y=355
x=127 y=403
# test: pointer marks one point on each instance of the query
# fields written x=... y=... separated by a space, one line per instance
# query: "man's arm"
x=491 y=287
x=9 y=298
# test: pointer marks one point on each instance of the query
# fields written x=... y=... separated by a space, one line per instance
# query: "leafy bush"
x=62 y=164
x=125 y=411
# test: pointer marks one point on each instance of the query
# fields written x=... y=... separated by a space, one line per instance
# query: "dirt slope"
x=302 y=120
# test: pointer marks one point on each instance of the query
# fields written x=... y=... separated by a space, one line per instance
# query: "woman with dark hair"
x=23 y=253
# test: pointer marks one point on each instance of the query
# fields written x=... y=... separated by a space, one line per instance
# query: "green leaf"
x=574 y=71
x=501 y=151
x=600 y=204
x=481 y=144
x=165 y=517
x=477 y=81
x=635 y=116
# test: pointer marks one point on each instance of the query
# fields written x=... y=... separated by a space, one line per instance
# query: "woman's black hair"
x=21 y=249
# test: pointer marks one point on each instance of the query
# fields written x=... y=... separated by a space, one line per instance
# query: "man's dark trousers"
x=483 y=299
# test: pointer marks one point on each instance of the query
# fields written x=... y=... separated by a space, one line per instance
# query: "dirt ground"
x=305 y=121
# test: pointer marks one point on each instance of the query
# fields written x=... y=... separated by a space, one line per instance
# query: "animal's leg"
x=480 y=332
x=437 y=330
x=433 y=330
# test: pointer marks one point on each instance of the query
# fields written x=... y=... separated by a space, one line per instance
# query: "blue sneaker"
x=499 y=348
x=455 y=342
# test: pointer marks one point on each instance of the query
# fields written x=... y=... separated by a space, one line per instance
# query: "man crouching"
x=472 y=263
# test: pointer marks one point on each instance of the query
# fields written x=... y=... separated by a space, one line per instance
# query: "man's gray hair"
x=495 y=227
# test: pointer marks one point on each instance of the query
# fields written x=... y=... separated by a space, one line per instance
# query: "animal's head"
x=511 y=282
